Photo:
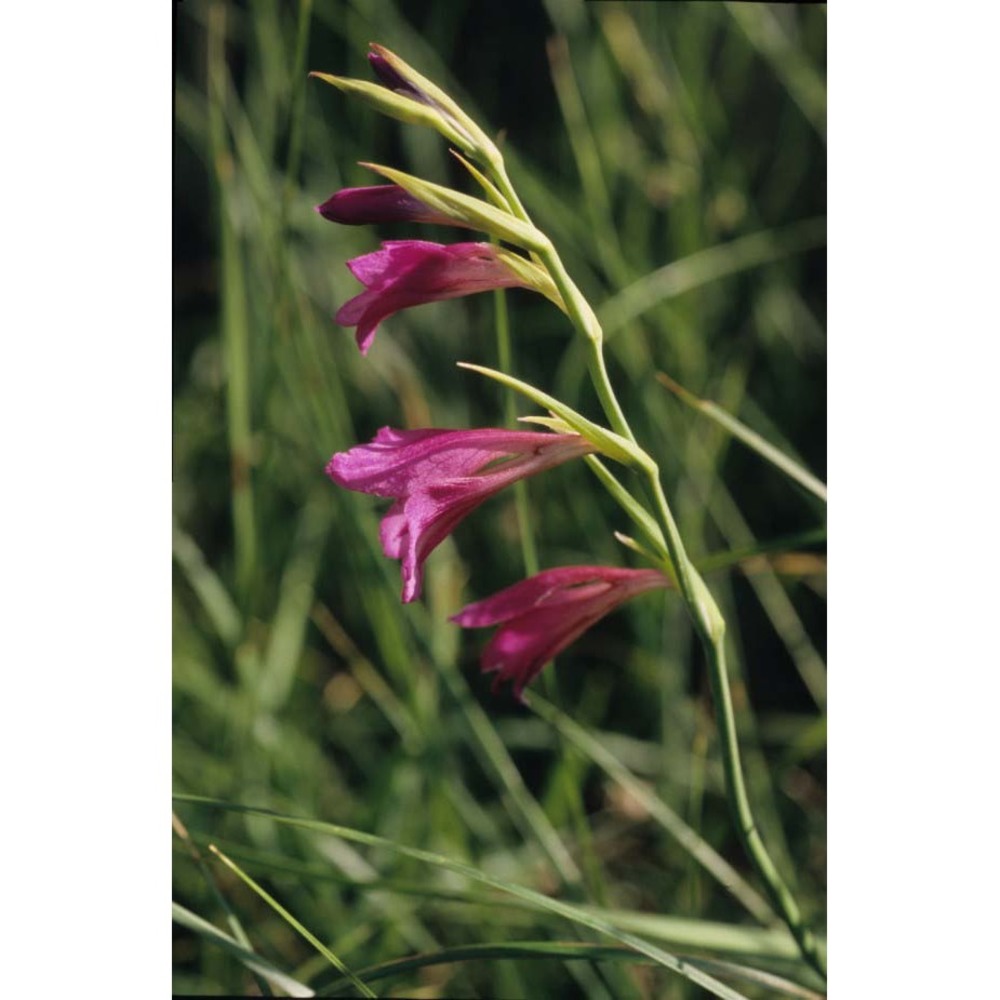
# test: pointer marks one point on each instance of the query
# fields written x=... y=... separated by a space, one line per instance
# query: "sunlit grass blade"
x=685 y=933
x=708 y=265
x=239 y=934
x=760 y=977
x=689 y=839
x=766 y=450
x=257 y=965
x=576 y=914
x=211 y=591
x=572 y=950
x=565 y=950
x=285 y=915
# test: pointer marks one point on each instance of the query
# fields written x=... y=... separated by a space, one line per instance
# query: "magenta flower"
x=539 y=617
x=437 y=477
x=380 y=203
x=408 y=273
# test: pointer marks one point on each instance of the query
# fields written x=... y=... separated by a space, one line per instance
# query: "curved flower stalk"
x=539 y=617
x=408 y=273
x=438 y=477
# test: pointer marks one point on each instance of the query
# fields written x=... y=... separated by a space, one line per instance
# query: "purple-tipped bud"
x=438 y=477
x=393 y=80
x=380 y=203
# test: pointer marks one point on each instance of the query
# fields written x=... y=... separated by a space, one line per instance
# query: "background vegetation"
x=675 y=153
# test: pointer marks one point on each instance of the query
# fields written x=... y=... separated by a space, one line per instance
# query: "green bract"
x=400 y=107
x=464 y=208
x=607 y=442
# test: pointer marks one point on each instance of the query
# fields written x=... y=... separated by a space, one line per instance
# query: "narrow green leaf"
x=259 y=966
x=295 y=601
x=565 y=951
x=699 y=268
x=750 y=438
x=285 y=915
x=576 y=914
x=688 y=838
x=218 y=604
x=732 y=557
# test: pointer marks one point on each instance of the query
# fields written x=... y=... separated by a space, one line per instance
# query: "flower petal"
x=438 y=477
x=541 y=616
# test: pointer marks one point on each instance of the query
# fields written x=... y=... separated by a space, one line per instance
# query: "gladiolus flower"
x=408 y=273
x=437 y=477
x=539 y=617
x=380 y=203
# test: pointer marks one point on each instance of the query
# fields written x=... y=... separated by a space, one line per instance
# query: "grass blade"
x=576 y=914
x=565 y=950
x=708 y=265
x=257 y=965
x=218 y=605
x=750 y=438
x=695 y=845
x=282 y=912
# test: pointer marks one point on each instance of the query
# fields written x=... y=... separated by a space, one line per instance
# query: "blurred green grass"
x=675 y=154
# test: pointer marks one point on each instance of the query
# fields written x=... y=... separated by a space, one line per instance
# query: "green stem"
x=712 y=631
x=701 y=605
x=529 y=553
x=750 y=836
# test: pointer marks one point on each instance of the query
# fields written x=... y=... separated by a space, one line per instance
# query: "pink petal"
x=535 y=590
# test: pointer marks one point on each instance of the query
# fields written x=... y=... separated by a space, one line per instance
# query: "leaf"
x=537 y=900
x=750 y=438
x=288 y=918
x=260 y=966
